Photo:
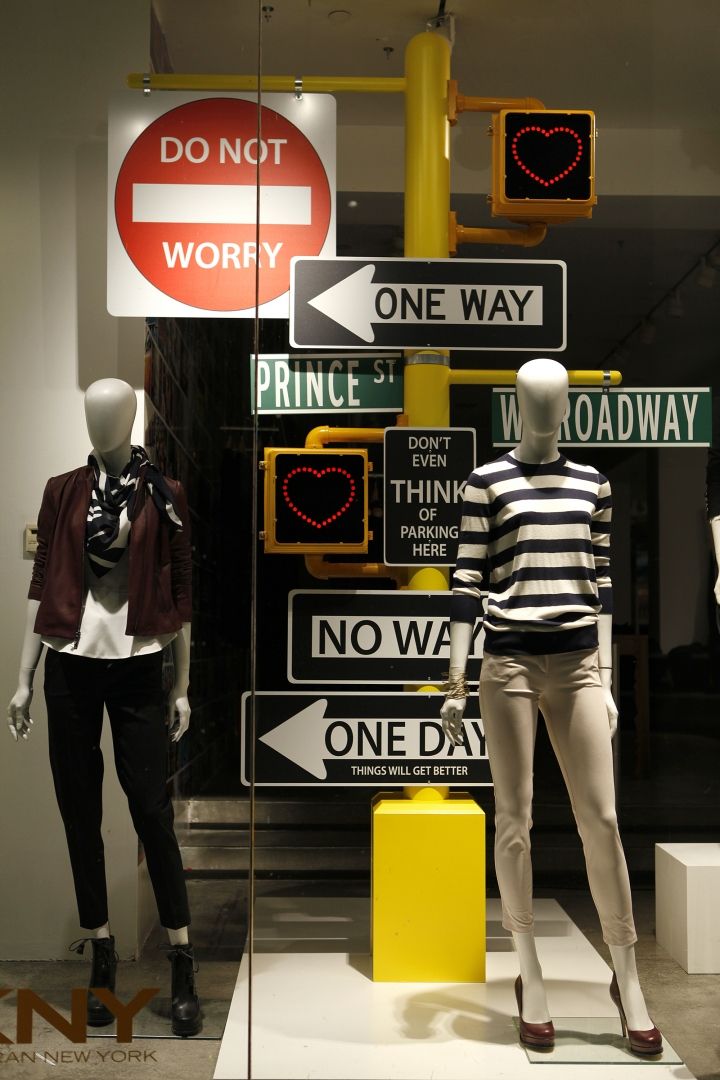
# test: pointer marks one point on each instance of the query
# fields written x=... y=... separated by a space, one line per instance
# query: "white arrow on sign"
x=357 y=302
x=302 y=739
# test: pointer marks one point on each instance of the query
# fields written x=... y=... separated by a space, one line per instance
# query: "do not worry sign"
x=183 y=200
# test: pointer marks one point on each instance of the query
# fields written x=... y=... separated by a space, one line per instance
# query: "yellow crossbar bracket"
x=530 y=235
x=458 y=103
x=319 y=568
x=323 y=436
x=508 y=377
x=311 y=84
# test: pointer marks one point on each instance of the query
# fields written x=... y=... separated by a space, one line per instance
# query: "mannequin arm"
x=605 y=663
x=19 y=708
x=454 y=707
x=178 y=704
x=715 y=526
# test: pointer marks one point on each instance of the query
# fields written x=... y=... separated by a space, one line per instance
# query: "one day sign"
x=183 y=200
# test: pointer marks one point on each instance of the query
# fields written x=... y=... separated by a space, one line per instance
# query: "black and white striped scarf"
x=112 y=508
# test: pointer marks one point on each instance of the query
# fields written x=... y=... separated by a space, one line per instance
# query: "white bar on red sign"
x=221 y=204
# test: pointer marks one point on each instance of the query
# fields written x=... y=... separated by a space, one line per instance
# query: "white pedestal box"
x=687 y=904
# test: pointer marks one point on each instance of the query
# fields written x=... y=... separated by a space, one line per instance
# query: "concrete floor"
x=685 y=1007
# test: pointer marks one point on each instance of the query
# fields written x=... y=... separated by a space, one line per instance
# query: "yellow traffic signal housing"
x=543 y=165
x=316 y=501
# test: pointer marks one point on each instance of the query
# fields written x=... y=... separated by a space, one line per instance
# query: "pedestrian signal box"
x=316 y=501
x=543 y=165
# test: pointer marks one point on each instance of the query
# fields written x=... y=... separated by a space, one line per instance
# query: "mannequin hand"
x=19 y=713
x=452 y=717
x=612 y=711
x=178 y=714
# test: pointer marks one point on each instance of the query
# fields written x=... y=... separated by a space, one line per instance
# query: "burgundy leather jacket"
x=159 y=572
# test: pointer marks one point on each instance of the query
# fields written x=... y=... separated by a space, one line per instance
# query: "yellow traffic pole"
x=427 y=199
x=428 y=850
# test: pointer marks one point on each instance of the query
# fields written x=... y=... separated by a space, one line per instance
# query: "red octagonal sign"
x=183 y=236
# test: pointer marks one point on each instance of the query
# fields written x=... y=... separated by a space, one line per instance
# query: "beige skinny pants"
x=568 y=690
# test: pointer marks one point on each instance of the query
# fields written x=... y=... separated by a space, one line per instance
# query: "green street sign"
x=328 y=382
x=619 y=416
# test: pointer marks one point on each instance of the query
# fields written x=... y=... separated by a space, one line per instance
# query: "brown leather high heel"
x=533 y=1034
x=641 y=1042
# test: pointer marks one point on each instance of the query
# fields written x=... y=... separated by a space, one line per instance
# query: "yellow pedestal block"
x=428 y=889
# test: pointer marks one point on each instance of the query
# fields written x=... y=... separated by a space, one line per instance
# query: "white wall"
x=58 y=64
x=660 y=161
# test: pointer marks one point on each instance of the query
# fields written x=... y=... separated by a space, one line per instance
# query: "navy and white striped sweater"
x=537 y=538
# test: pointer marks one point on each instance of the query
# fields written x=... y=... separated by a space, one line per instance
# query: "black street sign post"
x=346 y=637
x=425 y=473
x=480 y=304
x=358 y=740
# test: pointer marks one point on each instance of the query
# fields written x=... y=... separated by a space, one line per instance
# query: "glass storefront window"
x=323 y=417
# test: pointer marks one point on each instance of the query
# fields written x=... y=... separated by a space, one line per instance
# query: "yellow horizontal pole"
x=458 y=103
x=486 y=104
x=323 y=436
x=508 y=377
x=580 y=377
x=311 y=84
x=530 y=236
x=317 y=567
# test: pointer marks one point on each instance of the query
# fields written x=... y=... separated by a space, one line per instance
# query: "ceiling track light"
x=708 y=274
x=675 y=306
x=713 y=257
x=648 y=332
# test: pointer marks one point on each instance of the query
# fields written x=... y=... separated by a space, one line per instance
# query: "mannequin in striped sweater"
x=535 y=534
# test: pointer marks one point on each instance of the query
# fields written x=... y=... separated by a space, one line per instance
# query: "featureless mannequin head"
x=110 y=407
x=542 y=395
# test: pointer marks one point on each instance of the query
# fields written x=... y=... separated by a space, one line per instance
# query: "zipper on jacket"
x=76 y=638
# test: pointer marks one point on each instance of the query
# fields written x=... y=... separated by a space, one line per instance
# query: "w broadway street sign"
x=338 y=636
x=358 y=740
x=420 y=303
x=651 y=416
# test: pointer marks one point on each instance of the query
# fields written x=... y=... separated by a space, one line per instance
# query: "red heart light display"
x=550 y=180
x=318 y=473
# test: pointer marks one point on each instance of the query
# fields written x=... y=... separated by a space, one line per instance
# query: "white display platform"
x=687 y=901
x=316 y=1013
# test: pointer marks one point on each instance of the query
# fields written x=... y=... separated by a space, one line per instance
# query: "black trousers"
x=76 y=689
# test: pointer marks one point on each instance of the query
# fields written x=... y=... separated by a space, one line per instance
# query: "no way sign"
x=357 y=740
x=183 y=173
x=374 y=636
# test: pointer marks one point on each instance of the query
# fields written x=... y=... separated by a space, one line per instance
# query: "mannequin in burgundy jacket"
x=110 y=406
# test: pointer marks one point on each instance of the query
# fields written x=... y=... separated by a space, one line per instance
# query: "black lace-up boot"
x=102 y=974
x=186 y=1019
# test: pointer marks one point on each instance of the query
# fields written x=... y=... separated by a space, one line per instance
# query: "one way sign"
x=419 y=303
x=357 y=740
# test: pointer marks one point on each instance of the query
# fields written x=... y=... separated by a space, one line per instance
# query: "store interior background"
x=649 y=70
